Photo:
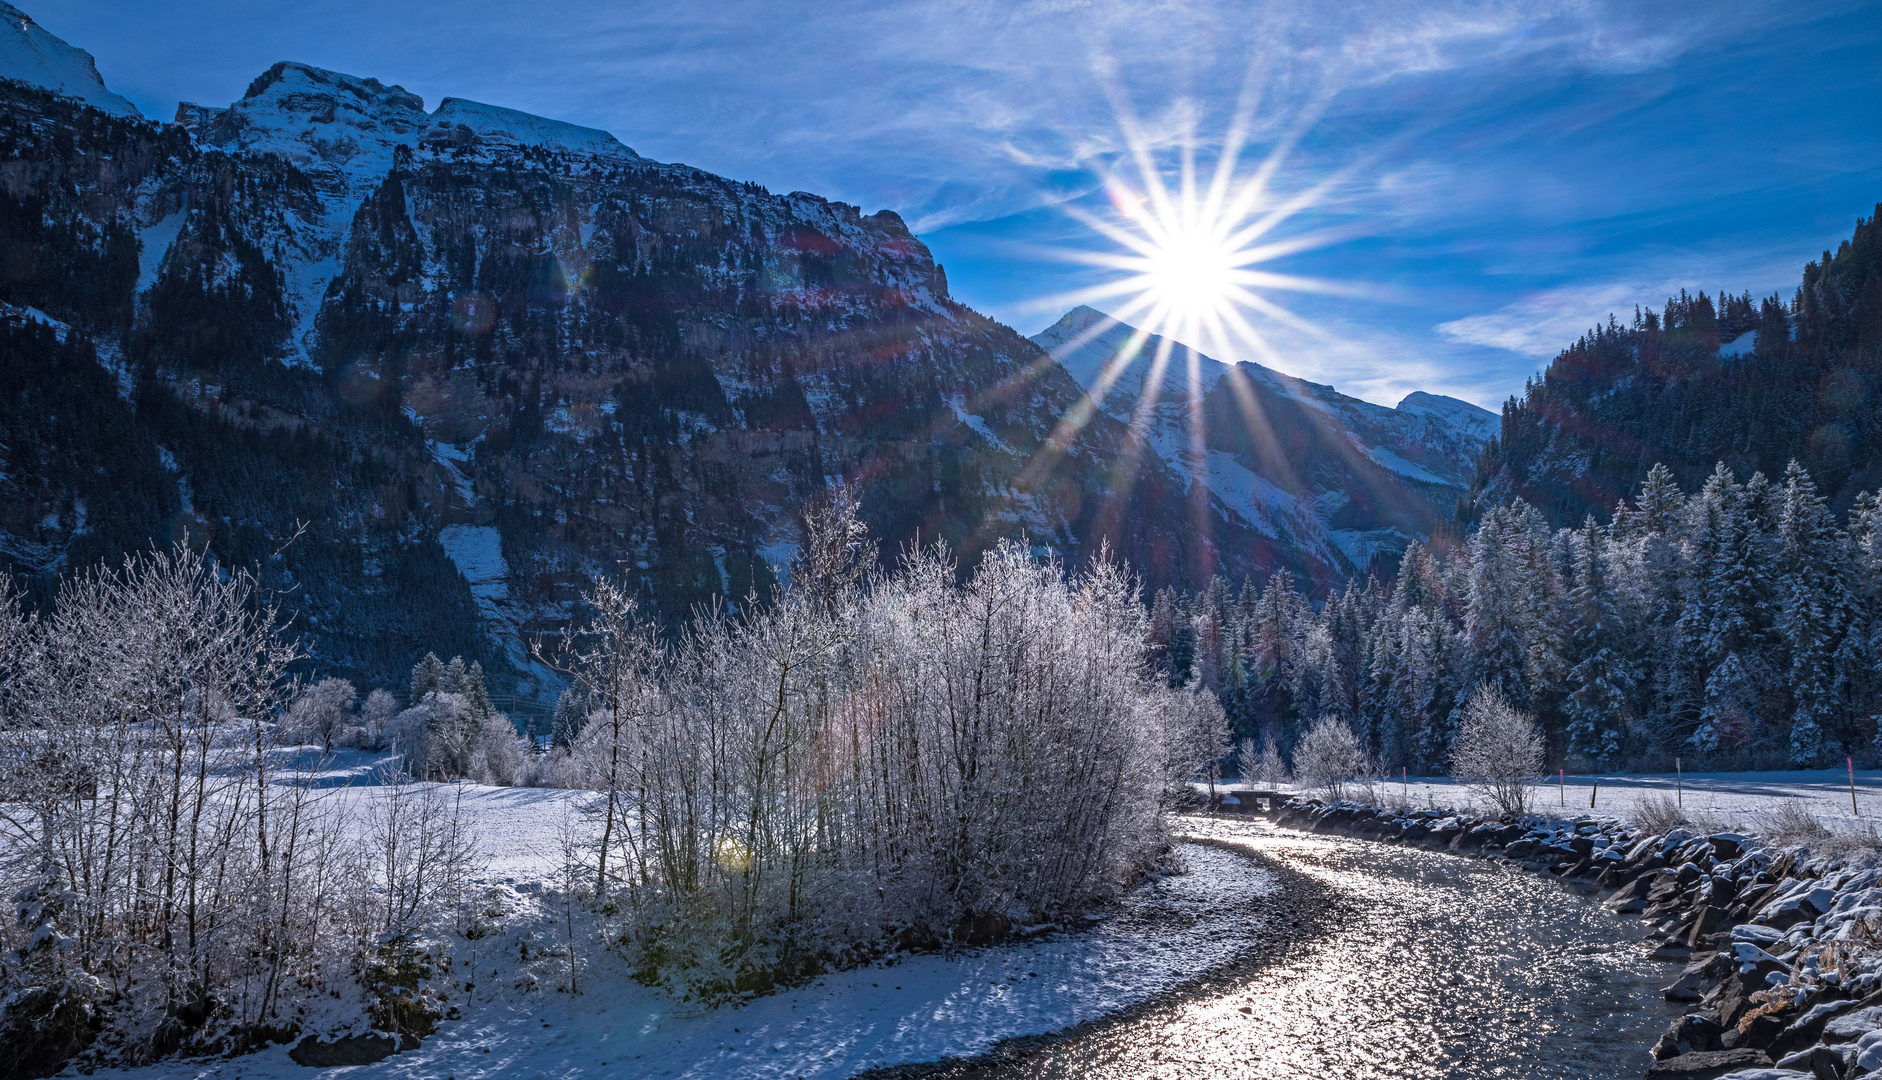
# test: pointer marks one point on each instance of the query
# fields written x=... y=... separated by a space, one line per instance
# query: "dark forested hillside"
x=1752 y=383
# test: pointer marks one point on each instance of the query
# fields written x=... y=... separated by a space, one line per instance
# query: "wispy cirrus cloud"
x=1527 y=166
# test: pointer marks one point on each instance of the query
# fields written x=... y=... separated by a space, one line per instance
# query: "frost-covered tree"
x=376 y=716
x=1601 y=684
x=1811 y=610
x=1498 y=752
x=1205 y=739
x=1329 y=757
x=321 y=713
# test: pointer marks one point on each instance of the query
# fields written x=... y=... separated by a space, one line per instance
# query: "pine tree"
x=1811 y=606
x=1601 y=683
x=427 y=675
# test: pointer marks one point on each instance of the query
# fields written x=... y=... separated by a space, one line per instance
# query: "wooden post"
x=1679 y=783
x=1851 y=762
x=1591 y=793
x=1561 y=786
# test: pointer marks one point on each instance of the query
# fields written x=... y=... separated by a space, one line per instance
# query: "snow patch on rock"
x=32 y=55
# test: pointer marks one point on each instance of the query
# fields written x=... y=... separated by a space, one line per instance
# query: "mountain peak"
x=314 y=116
x=460 y=120
x=1471 y=421
x=30 y=54
x=292 y=75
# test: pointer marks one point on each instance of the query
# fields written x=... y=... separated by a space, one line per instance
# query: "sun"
x=1191 y=273
x=1188 y=253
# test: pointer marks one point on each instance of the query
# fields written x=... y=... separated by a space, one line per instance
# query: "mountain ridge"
x=431 y=372
x=1282 y=454
x=481 y=370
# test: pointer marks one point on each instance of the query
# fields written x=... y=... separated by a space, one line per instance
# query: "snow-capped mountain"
x=1300 y=463
x=30 y=55
x=485 y=356
x=344 y=133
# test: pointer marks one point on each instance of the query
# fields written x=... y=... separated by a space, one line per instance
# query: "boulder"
x=1808 y=1028
x=1827 y=1063
x=1762 y=936
x=1695 y=1031
x=1850 y=1026
x=1630 y=898
x=1702 y=972
x=1708 y=1064
x=1705 y=921
x=1869 y=1053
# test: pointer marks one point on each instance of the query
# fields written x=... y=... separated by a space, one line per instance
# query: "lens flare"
x=1190 y=253
x=1191 y=257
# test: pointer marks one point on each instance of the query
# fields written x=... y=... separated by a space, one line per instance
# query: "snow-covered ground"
x=1730 y=798
x=911 y=1008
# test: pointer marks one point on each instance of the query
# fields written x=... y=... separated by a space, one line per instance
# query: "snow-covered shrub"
x=320 y=714
x=1328 y=757
x=910 y=757
x=1498 y=751
x=499 y=757
x=172 y=895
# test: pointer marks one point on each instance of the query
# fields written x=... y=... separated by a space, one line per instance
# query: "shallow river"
x=1402 y=964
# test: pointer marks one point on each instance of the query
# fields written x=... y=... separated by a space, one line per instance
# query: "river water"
x=1404 y=965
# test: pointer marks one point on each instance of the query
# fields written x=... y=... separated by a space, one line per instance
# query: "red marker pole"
x=1561 y=786
x=1851 y=762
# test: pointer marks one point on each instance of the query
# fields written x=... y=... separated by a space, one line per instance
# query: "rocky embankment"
x=1783 y=944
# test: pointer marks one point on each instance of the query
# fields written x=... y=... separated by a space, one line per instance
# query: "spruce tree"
x=1810 y=611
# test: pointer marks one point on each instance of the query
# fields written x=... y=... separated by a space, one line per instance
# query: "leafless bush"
x=1656 y=815
x=1790 y=822
x=1498 y=751
x=789 y=783
x=174 y=890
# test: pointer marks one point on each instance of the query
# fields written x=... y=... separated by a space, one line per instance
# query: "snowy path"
x=919 y=1009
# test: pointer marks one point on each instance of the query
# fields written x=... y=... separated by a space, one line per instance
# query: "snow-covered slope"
x=29 y=54
x=462 y=123
x=1461 y=417
x=1338 y=478
x=344 y=131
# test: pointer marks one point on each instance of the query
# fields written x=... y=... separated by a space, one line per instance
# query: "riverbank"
x=1782 y=943
x=1300 y=910
x=511 y=1018
x=1412 y=965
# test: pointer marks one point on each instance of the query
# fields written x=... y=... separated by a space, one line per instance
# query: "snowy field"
x=1738 y=799
x=911 y=1008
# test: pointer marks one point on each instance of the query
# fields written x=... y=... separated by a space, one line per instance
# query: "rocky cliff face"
x=1328 y=482
x=473 y=357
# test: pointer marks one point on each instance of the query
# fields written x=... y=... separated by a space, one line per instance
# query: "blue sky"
x=1499 y=175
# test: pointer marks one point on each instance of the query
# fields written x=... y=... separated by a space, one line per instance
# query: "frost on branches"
x=869 y=762
x=1739 y=625
x=172 y=893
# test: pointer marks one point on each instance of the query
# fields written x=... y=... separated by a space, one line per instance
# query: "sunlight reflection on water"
x=1441 y=967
